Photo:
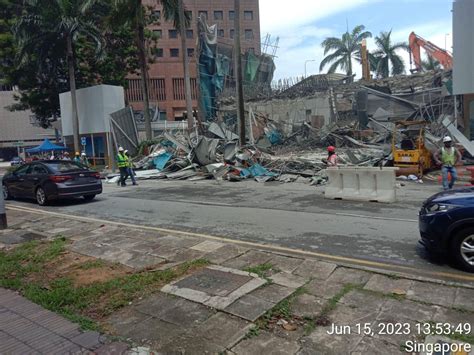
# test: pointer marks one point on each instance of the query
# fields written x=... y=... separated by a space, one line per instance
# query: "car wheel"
x=462 y=249
x=41 y=197
x=89 y=197
x=6 y=193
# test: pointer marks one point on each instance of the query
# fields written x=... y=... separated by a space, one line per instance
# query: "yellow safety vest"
x=448 y=156
x=122 y=161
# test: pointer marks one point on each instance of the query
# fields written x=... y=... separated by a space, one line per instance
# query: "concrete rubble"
x=287 y=133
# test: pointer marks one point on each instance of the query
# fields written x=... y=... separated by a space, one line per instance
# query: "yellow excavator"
x=409 y=151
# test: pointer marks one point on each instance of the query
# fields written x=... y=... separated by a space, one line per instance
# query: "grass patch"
x=262 y=270
x=21 y=269
x=253 y=332
x=93 y=264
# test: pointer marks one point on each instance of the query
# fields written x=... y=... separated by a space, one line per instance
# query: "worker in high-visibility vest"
x=122 y=163
x=448 y=156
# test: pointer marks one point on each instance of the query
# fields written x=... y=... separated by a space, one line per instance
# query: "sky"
x=302 y=25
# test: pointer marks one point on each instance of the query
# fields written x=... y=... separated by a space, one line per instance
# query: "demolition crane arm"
x=441 y=55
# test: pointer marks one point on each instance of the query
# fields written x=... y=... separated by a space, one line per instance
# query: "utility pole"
x=3 y=214
x=187 y=79
x=238 y=74
x=365 y=61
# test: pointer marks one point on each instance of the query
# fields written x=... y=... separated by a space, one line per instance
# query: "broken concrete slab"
x=249 y=259
x=285 y=263
x=345 y=275
x=323 y=289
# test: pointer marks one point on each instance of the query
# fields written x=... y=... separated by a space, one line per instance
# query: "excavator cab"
x=409 y=152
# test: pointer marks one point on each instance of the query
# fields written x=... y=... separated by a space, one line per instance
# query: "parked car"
x=446 y=222
x=16 y=161
x=48 y=180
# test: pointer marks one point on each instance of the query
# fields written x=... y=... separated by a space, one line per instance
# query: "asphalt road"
x=290 y=215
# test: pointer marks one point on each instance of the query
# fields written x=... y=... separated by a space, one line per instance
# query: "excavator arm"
x=442 y=56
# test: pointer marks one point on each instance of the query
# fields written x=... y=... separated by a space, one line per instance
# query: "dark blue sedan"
x=447 y=225
x=50 y=180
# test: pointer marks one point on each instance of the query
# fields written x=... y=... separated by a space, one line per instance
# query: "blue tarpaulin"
x=46 y=146
x=274 y=137
x=161 y=160
x=256 y=170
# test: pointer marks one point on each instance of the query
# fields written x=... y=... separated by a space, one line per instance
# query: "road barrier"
x=361 y=184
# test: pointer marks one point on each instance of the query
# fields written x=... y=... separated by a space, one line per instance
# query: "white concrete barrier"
x=361 y=184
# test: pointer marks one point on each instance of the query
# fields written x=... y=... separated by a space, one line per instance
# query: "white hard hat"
x=447 y=139
x=120 y=149
x=83 y=154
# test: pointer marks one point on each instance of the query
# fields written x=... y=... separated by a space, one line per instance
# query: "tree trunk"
x=72 y=86
x=140 y=39
x=350 y=68
x=187 y=79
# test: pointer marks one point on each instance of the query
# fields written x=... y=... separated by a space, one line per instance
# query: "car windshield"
x=64 y=166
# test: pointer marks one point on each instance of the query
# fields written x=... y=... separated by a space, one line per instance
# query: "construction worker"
x=448 y=156
x=130 y=171
x=66 y=156
x=84 y=159
x=332 y=159
x=77 y=157
x=122 y=163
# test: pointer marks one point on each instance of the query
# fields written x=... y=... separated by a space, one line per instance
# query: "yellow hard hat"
x=77 y=153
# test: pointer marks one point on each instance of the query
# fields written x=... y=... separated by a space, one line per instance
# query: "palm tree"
x=344 y=50
x=387 y=60
x=134 y=13
x=51 y=26
x=430 y=64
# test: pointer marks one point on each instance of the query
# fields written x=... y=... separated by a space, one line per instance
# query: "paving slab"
x=285 y=263
x=225 y=253
x=464 y=299
x=273 y=293
x=454 y=317
x=249 y=307
x=314 y=269
x=288 y=280
x=214 y=286
x=369 y=345
x=266 y=343
x=143 y=261
x=188 y=344
x=361 y=299
x=320 y=342
x=384 y=284
x=223 y=329
x=432 y=293
x=208 y=246
x=345 y=275
x=306 y=305
x=409 y=310
x=323 y=289
x=180 y=241
x=249 y=259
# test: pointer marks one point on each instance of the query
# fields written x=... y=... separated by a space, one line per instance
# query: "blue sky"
x=303 y=24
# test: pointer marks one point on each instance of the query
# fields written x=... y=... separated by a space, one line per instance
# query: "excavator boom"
x=442 y=56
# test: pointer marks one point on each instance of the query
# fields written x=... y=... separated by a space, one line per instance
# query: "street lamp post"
x=306 y=62
x=445 y=41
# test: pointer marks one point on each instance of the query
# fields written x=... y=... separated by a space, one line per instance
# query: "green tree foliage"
x=385 y=58
x=343 y=49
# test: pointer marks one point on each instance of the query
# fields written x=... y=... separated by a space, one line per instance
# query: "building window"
x=156 y=15
x=190 y=52
x=232 y=33
x=172 y=33
x=158 y=33
x=248 y=34
x=189 y=14
x=174 y=52
x=231 y=15
x=203 y=14
x=189 y=34
x=157 y=52
x=248 y=15
x=220 y=33
x=218 y=15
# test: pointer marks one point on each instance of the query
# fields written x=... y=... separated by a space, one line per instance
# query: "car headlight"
x=439 y=207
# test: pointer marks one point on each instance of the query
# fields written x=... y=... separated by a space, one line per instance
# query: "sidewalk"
x=252 y=301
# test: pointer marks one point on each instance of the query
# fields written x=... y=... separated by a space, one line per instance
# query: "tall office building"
x=166 y=74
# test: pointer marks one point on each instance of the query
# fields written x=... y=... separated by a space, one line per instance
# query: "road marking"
x=373 y=217
x=362 y=262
